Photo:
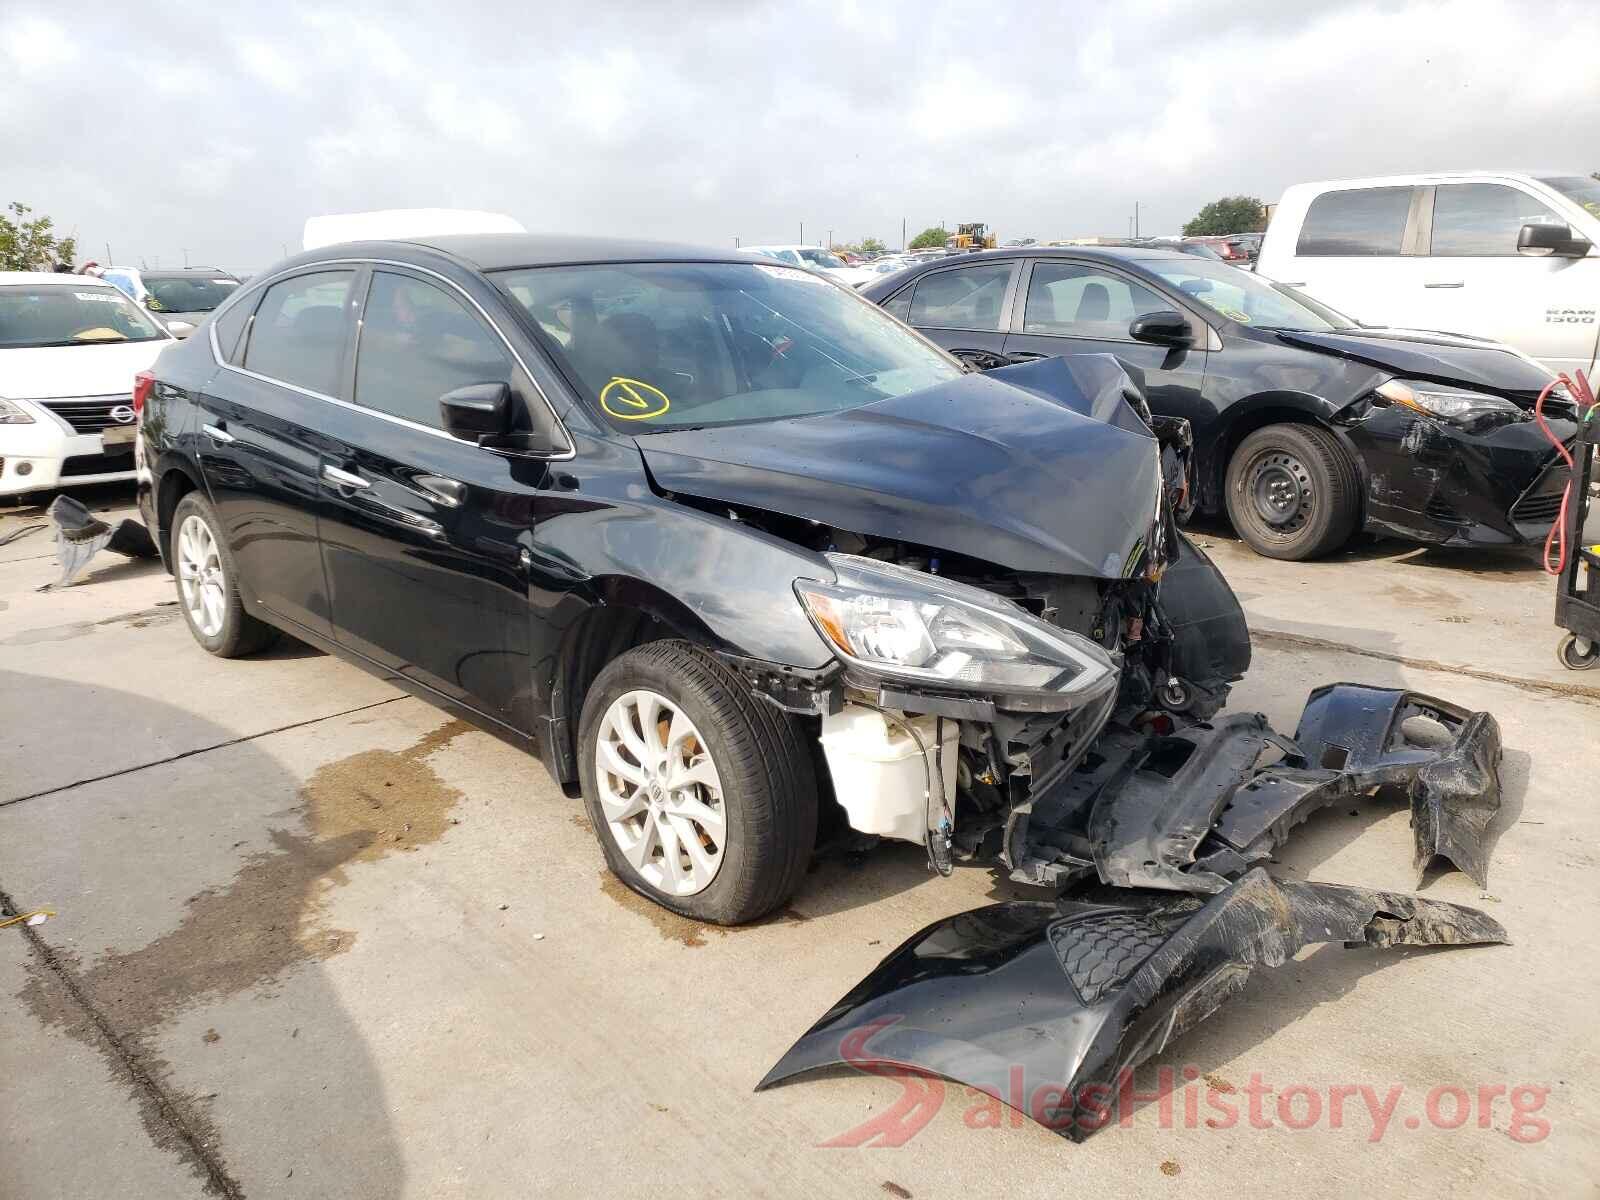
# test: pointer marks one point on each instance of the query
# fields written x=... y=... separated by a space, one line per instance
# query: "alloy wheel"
x=201 y=577
x=660 y=793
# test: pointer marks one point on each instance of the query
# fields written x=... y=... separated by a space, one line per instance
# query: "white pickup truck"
x=1494 y=254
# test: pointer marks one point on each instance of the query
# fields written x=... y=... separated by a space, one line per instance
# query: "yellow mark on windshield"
x=633 y=399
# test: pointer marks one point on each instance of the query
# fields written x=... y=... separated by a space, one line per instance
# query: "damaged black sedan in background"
x=722 y=543
x=1308 y=427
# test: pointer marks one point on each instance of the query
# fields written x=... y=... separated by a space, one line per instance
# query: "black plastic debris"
x=80 y=535
x=1047 y=1005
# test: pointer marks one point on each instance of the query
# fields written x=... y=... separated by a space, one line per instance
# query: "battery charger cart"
x=1578 y=588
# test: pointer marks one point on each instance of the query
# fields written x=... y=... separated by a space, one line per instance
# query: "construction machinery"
x=971 y=235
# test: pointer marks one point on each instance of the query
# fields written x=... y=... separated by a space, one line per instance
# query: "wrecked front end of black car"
x=1047 y=699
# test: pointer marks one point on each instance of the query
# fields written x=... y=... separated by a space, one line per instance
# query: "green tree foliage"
x=872 y=245
x=931 y=237
x=1231 y=214
x=29 y=245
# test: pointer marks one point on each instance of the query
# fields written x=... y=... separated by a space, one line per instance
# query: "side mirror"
x=179 y=329
x=477 y=411
x=1551 y=241
x=1164 y=328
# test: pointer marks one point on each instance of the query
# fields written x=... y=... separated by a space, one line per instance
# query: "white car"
x=70 y=347
x=817 y=259
x=1494 y=254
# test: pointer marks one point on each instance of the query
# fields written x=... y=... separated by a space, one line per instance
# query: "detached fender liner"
x=1044 y=1005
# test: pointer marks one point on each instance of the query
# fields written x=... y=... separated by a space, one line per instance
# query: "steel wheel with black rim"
x=1293 y=492
x=207 y=592
x=702 y=797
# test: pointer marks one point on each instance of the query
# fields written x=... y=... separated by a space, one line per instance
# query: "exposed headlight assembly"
x=911 y=626
x=14 y=414
x=1455 y=406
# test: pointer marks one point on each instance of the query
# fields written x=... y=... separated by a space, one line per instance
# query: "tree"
x=872 y=245
x=29 y=245
x=932 y=236
x=1231 y=214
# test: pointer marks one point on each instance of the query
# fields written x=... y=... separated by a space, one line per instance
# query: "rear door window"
x=965 y=298
x=1073 y=300
x=230 y=326
x=300 y=331
x=417 y=343
x=1356 y=222
x=1475 y=220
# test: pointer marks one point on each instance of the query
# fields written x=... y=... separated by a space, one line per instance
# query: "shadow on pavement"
x=243 y=1105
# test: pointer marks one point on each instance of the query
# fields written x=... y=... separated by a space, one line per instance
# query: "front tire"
x=702 y=797
x=208 y=590
x=1293 y=492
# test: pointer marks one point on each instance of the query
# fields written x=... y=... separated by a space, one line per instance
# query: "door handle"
x=344 y=479
x=448 y=492
x=218 y=434
x=1446 y=283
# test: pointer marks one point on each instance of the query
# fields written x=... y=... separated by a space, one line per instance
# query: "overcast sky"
x=218 y=128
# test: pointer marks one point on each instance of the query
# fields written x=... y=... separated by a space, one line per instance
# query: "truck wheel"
x=1292 y=492
x=208 y=591
x=703 y=797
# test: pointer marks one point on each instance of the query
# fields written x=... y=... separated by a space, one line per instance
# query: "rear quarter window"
x=1355 y=222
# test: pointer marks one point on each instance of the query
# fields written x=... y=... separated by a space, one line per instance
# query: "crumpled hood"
x=1444 y=357
x=1040 y=467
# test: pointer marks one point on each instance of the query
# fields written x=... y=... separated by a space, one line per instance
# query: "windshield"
x=821 y=258
x=71 y=315
x=186 y=293
x=1582 y=189
x=1245 y=298
x=659 y=346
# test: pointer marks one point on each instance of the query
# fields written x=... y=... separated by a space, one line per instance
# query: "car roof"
x=1107 y=253
x=1423 y=178
x=184 y=273
x=36 y=278
x=499 y=251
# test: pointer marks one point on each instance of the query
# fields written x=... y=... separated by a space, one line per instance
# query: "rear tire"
x=207 y=581
x=1293 y=492
x=713 y=776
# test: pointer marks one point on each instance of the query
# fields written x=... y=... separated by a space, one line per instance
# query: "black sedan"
x=1307 y=426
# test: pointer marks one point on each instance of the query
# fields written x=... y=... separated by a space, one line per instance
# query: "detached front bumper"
x=1432 y=482
x=1045 y=1006
x=1191 y=811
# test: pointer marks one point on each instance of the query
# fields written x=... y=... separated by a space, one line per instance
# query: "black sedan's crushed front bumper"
x=1048 y=1006
x=1437 y=483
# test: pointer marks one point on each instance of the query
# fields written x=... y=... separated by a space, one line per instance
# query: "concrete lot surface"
x=315 y=939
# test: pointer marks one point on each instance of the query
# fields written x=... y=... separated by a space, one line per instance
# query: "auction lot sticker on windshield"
x=633 y=399
x=102 y=297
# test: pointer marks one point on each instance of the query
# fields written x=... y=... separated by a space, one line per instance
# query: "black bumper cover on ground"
x=1073 y=993
x=1194 y=810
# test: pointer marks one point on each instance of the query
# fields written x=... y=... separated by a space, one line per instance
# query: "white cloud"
x=36 y=45
x=471 y=119
x=267 y=63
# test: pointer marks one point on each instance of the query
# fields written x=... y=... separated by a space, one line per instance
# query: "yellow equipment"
x=971 y=235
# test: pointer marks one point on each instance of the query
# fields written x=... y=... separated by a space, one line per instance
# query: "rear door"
x=1067 y=306
x=424 y=535
x=962 y=308
x=1482 y=286
x=259 y=442
x=1357 y=252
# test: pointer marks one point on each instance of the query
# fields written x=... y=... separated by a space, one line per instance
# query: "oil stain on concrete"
x=262 y=925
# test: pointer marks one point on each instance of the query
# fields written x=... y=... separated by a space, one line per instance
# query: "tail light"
x=143 y=382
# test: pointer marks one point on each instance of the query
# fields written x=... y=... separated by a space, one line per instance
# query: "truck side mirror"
x=1551 y=241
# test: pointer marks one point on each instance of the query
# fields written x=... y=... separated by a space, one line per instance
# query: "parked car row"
x=1307 y=426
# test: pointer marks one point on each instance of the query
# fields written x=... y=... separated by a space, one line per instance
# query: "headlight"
x=1455 y=405
x=13 y=414
x=914 y=626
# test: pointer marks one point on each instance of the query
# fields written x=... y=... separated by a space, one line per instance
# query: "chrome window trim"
x=312 y=268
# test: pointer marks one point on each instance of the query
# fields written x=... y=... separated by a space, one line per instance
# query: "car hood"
x=1443 y=357
x=1041 y=467
x=47 y=372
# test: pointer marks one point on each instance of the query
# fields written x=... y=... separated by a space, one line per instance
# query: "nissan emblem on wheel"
x=717 y=538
